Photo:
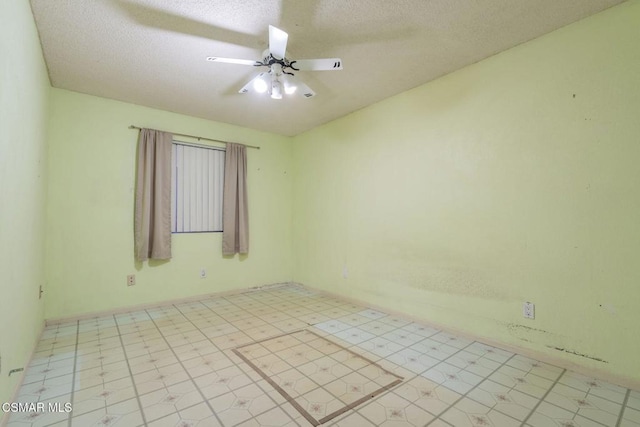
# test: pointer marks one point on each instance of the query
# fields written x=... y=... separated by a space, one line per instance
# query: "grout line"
x=624 y=406
x=73 y=377
x=133 y=383
x=564 y=371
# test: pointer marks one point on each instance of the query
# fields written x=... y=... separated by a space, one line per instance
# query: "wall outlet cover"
x=528 y=310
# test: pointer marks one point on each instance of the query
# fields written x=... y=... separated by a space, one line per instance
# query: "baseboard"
x=4 y=418
x=533 y=354
x=126 y=309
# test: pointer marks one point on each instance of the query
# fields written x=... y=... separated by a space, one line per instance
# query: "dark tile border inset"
x=292 y=400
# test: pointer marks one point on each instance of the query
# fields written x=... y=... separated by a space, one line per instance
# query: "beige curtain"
x=235 y=215
x=153 y=196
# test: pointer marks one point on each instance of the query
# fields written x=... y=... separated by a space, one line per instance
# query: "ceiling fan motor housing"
x=280 y=68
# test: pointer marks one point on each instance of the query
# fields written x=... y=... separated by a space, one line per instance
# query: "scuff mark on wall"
x=514 y=327
x=597 y=359
x=533 y=335
x=529 y=334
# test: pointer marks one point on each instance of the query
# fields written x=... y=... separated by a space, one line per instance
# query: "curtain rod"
x=200 y=138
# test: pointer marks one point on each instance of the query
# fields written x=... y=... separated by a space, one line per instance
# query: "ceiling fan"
x=280 y=78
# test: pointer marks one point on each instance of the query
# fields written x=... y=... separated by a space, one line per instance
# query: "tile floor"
x=320 y=378
x=177 y=365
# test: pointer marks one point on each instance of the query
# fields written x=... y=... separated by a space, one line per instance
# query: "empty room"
x=324 y=212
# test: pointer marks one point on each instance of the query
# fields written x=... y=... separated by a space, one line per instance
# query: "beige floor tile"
x=634 y=399
x=503 y=399
x=151 y=361
x=535 y=367
x=46 y=390
x=206 y=364
x=473 y=363
x=94 y=398
x=631 y=415
x=351 y=419
x=392 y=410
x=593 y=386
x=169 y=400
x=241 y=405
x=452 y=377
x=489 y=352
x=222 y=381
x=294 y=382
x=123 y=414
x=275 y=417
x=199 y=415
x=468 y=413
x=516 y=379
x=163 y=377
x=584 y=404
x=551 y=415
x=191 y=350
x=427 y=395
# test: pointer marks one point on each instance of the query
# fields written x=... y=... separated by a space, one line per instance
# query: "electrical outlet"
x=203 y=273
x=528 y=310
x=131 y=279
x=345 y=272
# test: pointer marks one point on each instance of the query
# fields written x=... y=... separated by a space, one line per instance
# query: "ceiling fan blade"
x=257 y=84
x=317 y=64
x=233 y=61
x=277 y=42
x=305 y=90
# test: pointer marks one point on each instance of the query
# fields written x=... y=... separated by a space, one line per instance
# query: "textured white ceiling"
x=152 y=52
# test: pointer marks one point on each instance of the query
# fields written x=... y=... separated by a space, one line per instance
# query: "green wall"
x=515 y=179
x=24 y=92
x=90 y=216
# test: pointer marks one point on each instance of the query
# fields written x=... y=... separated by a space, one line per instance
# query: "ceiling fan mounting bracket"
x=270 y=60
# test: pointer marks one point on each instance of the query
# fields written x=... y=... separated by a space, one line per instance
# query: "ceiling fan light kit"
x=280 y=79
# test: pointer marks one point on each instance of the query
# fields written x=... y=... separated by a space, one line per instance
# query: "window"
x=196 y=188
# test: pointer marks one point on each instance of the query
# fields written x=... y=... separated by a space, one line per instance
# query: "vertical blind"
x=197 y=183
